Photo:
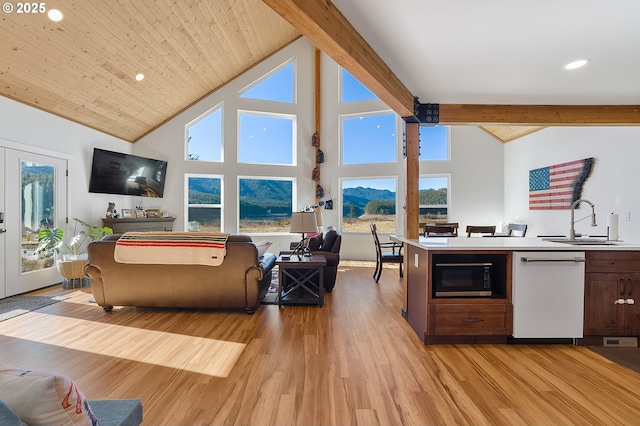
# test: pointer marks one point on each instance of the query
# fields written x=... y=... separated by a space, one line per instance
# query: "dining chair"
x=383 y=255
x=520 y=229
x=441 y=229
x=482 y=230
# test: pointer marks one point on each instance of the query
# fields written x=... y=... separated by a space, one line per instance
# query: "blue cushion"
x=8 y=417
x=117 y=412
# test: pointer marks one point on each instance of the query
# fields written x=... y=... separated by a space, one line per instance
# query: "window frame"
x=292 y=61
x=294 y=132
x=187 y=205
x=448 y=130
x=210 y=111
x=341 y=206
x=276 y=178
x=386 y=112
x=437 y=206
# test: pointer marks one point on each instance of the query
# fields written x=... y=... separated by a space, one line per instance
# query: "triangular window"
x=204 y=137
x=353 y=90
x=277 y=86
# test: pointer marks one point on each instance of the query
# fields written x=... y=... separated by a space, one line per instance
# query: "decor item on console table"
x=139 y=224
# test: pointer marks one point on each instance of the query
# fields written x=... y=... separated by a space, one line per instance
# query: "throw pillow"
x=330 y=237
x=262 y=247
x=45 y=398
x=315 y=242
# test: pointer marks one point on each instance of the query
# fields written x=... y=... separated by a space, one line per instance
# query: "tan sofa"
x=240 y=282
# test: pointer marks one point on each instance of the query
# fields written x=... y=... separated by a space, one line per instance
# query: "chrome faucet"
x=572 y=232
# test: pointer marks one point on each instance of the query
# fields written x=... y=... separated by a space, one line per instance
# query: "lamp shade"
x=303 y=222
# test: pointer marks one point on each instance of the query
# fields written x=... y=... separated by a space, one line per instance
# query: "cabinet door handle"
x=472 y=320
x=624 y=286
x=630 y=286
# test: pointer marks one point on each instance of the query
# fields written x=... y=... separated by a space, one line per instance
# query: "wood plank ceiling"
x=83 y=68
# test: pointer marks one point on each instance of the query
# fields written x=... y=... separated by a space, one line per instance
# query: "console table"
x=301 y=280
x=139 y=224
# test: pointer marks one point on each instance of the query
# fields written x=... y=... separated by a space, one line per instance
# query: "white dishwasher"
x=548 y=294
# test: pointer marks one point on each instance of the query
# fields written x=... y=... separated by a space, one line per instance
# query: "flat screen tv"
x=126 y=174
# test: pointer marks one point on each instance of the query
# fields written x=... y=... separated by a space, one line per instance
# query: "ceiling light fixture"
x=139 y=77
x=55 y=15
x=577 y=64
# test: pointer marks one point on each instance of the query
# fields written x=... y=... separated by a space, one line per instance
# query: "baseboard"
x=622 y=342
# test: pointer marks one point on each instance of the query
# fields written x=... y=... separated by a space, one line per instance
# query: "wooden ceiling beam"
x=540 y=115
x=325 y=26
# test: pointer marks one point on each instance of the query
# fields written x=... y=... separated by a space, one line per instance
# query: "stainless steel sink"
x=582 y=241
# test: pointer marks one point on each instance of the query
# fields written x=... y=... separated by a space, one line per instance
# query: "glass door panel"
x=36 y=199
x=37 y=212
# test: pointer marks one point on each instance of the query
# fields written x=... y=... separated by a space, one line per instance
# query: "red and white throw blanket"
x=179 y=248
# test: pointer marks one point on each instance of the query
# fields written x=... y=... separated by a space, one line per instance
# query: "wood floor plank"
x=354 y=361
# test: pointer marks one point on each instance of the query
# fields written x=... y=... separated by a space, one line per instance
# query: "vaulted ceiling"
x=496 y=64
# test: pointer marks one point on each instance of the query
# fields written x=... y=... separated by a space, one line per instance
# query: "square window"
x=369 y=200
x=266 y=138
x=434 y=143
x=265 y=205
x=368 y=138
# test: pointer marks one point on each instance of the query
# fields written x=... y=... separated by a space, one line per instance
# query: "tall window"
x=434 y=199
x=369 y=200
x=204 y=137
x=278 y=86
x=204 y=203
x=266 y=138
x=265 y=205
x=434 y=143
x=368 y=138
x=38 y=211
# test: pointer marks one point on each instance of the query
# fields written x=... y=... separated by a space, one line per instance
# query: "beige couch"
x=240 y=282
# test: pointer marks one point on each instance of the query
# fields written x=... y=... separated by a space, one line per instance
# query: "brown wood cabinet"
x=455 y=319
x=612 y=287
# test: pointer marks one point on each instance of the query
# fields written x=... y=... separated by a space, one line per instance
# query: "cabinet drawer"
x=471 y=319
x=607 y=261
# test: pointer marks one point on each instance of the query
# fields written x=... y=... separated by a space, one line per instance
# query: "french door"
x=2 y=228
x=34 y=194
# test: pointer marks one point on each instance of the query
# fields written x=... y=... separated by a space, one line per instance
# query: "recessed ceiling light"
x=55 y=15
x=577 y=64
x=139 y=77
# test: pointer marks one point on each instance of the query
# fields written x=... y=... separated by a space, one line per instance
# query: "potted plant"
x=51 y=241
x=81 y=239
x=71 y=266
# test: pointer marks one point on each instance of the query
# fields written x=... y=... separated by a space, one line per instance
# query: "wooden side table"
x=301 y=281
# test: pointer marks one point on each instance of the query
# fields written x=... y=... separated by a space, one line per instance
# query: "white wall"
x=612 y=185
x=477 y=177
x=30 y=129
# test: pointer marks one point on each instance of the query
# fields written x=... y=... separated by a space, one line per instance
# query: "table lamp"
x=303 y=222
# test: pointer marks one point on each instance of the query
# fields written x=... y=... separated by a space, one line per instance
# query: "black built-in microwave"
x=462 y=279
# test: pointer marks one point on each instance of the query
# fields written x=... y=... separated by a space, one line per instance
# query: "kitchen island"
x=539 y=289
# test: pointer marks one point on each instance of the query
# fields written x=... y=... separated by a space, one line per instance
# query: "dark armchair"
x=328 y=244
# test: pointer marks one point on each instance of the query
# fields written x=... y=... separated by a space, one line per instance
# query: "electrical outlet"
x=626 y=216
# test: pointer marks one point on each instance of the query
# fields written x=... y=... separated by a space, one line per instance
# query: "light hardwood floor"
x=354 y=361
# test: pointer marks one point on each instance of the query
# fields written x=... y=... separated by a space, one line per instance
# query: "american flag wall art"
x=557 y=187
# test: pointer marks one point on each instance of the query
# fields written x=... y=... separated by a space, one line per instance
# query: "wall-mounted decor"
x=556 y=187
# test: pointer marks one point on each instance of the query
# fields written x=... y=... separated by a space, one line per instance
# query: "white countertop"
x=508 y=243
